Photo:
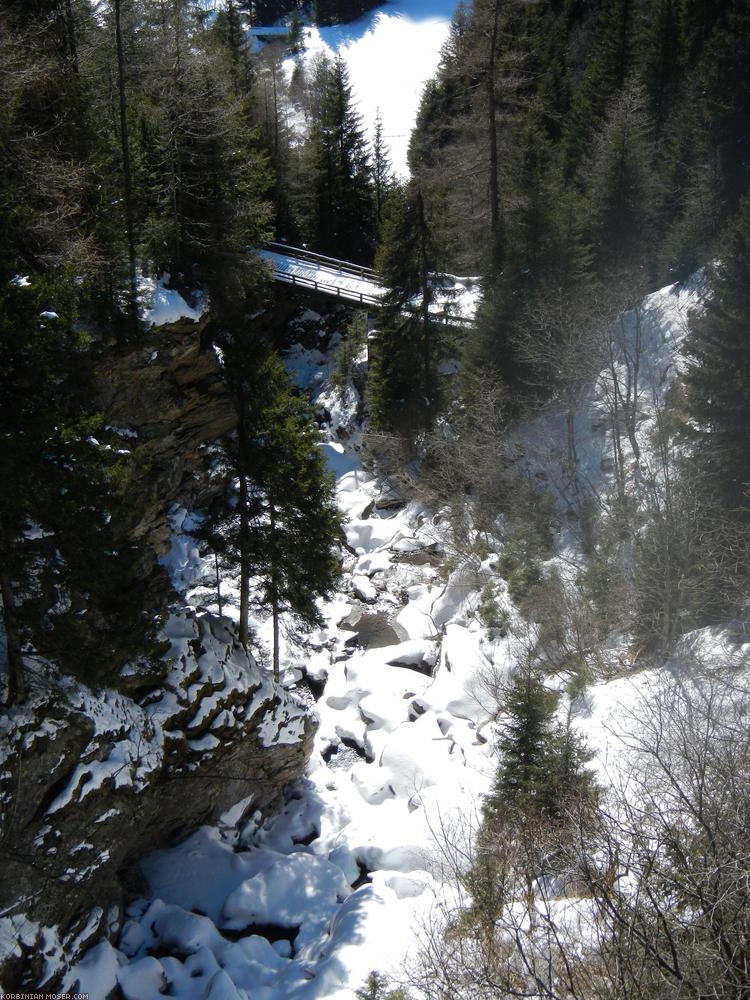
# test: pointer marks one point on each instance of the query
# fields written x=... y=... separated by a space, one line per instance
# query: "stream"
x=337 y=885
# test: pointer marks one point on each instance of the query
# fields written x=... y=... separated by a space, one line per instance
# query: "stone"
x=70 y=850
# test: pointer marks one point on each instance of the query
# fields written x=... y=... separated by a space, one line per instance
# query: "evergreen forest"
x=571 y=156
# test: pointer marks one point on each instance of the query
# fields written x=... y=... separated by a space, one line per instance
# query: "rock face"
x=90 y=783
x=169 y=392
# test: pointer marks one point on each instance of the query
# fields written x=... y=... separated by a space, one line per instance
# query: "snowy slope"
x=390 y=54
x=336 y=886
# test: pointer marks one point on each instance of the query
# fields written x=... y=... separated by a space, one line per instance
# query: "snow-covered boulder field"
x=90 y=782
x=304 y=904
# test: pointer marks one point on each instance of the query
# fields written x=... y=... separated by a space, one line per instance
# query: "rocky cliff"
x=169 y=394
x=91 y=781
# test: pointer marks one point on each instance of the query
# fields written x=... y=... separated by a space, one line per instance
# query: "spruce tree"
x=621 y=183
x=525 y=742
x=541 y=769
x=342 y=205
x=605 y=73
x=381 y=168
x=280 y=523
x=404 y=390
x=719 y=374
x=35 y=357
x=72 y=574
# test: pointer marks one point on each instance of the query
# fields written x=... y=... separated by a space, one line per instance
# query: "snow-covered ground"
x=158 y=304
x=339 y=883
x=390 y=54
x=399 y=751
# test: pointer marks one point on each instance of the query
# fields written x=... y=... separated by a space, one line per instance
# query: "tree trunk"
x=572 y=452
x=494 y=193
x=275 y=112
x=244 y=562
x=274 y=595
x=218 y=581
x=16 y=678
x=244 y=524
x=127 y=176
x=614 y=412
x=275 y=609
x=71 y=32
x=423 y=280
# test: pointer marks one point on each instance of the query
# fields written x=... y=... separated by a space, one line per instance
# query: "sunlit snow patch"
x=160 y=305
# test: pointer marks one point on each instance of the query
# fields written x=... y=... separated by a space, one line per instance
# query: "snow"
x=328 y=278
x=403 y=746
x=159 y=304
x=420 y=758
x=390 y=54
x=453 y=298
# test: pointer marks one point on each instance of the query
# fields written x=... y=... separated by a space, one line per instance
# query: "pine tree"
x=542 y=762
x=663 y=59
x=35 y=355
x=342 y=217
x=381 y=168
x=605 y=74
x=621 y=182
x=282 y=523
x=719 y=373
x=524 y=774
x=294 y=40
x=204 y=176
x=71 y=575
x=404 y=391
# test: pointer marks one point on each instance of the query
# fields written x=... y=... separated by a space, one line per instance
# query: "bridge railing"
x=344 y=266
x=327 y=289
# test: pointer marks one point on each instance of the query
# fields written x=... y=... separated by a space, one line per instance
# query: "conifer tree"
x=719 y=373
x=342 y=216
x=381 y=168
x=34 y=357
x=404 y=392
x=282 y=523
x=606 y=71
x=525 y=741
x=541 y=761
x=71 y=573
x=621 y=182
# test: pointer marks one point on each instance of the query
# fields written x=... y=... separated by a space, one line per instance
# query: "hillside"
x=408 y=673
x=400 y=653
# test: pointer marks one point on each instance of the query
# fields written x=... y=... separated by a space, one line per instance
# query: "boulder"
x=92 y=781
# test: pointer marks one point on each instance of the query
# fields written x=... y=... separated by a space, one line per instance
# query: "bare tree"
x=562 y=351
x=669 y=867
x=504 y=924
x=692 y=558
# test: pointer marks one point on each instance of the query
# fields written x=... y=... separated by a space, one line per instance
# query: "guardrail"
x=335 y=290
x=343 y=266
x=346 y=270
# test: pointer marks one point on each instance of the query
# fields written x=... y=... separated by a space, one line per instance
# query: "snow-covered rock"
x=103 y=779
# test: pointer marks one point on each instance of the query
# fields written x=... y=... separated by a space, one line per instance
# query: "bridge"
x=326 y=275
x=454 y=299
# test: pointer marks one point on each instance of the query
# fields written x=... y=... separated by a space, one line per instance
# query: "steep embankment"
x=91 y=780
x=359 y=863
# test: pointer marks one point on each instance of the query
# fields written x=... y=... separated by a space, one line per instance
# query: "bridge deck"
x=454 y=299
x=323 y=274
